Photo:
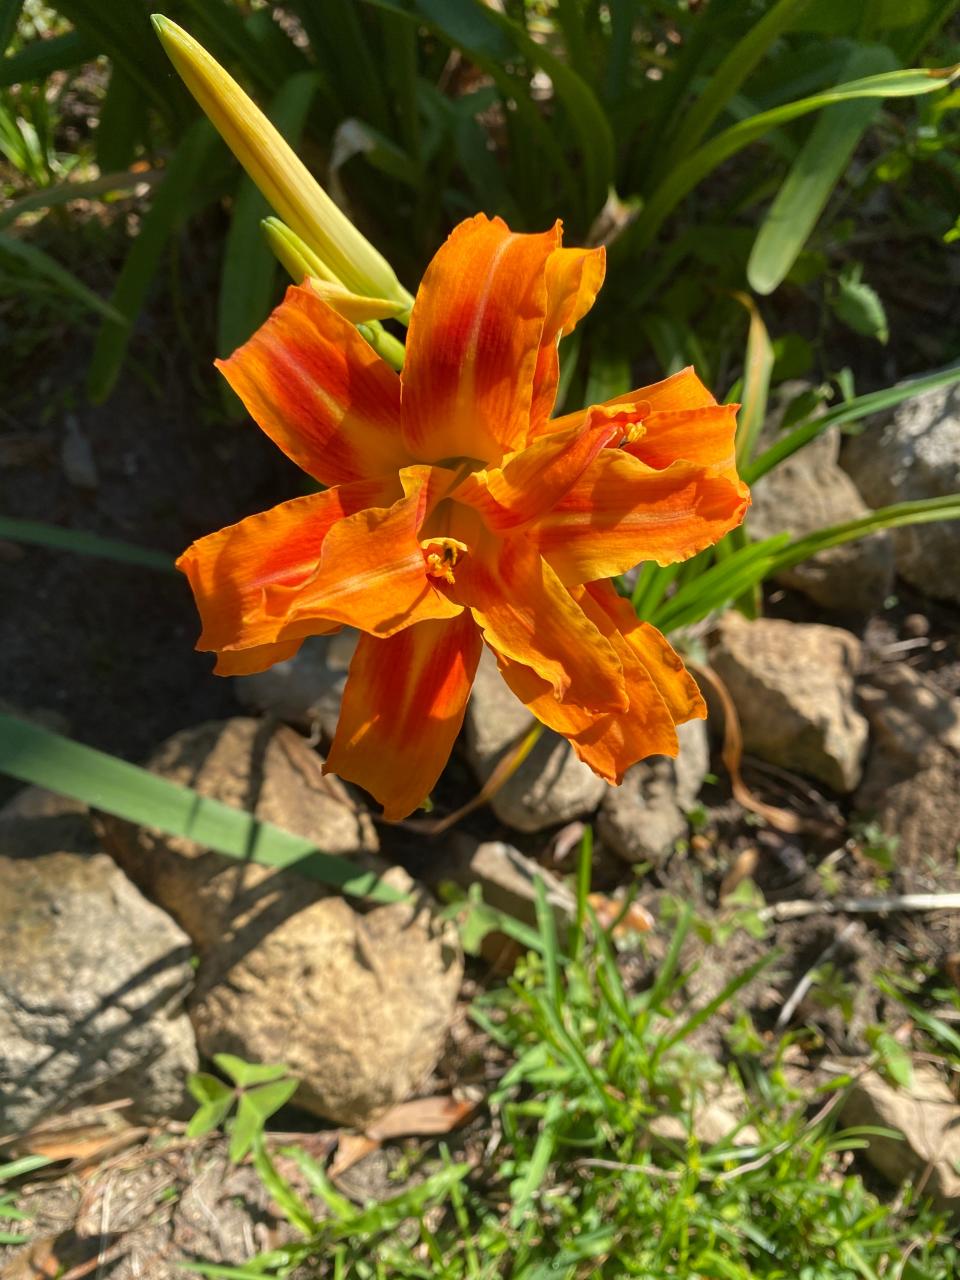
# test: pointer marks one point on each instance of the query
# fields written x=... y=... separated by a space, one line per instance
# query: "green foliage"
x=258 y=1092
x=9 y=1213
x=37 y=756
x=598 y=1168
x=581 y=100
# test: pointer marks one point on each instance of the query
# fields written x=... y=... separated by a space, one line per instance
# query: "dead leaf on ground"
x=421 y=1117
x=351 y=1149
x=611 y=915
x=744 y=865
x=732 y=754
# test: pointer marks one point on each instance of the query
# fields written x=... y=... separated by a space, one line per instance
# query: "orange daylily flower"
x=459 y=513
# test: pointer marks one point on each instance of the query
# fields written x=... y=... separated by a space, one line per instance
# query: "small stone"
x=506 y=878
x=356 y=1004
x=268 y=770
x=927 y=1115
x=307 y=689
x=92 y=979
x=793 y=686
x=551 y=785
x=915 y=453
x=643 y=818
x=911 y=784
x=76 y=456
x=916 y=625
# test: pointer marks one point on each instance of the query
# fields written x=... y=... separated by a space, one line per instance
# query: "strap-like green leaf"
x=38 y=534
x=9 y=13
x=44 y=265
x=37 y=756
x=723 y=582
x=40 y=58
x=822 y=160
x=167 y=213
x=690 y=171
x=851 y=411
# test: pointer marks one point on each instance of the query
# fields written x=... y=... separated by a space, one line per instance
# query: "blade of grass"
x=748 y=566
x=819 y=166
x=9 y=16
x=64 y=192
x=703 y=1014
x=352 y=66
x=684 y=176
x=731 y=74
x=123 y=32
x=44 y=265
x=36 y=756
x=850 y=411
x=923 y=511
x=38 y=534
x=41 y=58
x=584 y=872
x=123 y=119
x=166 y=215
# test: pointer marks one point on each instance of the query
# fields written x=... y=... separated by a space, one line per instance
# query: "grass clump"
x=598 y=1162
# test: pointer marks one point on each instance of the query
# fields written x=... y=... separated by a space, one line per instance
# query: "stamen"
x=441 y=556
x=634 y=432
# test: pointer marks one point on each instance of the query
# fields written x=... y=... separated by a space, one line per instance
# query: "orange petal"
x=246 y=662
x=402 y=709
x=230 y=571
x=680 y=391
x=372 y=573
x=473 y=343
x=528 y=615
x=573 y=279
x=706 y=437
x=609 y=742
x=532 y=481
x=320 y=392
x=621 y=512
x=660 y=660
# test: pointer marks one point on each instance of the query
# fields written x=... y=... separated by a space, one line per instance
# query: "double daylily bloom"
x=458 y=513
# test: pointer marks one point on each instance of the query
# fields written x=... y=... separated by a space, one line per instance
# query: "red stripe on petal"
x=473 y=343
x=402 y=709
x=528 y=615
x=320 y=392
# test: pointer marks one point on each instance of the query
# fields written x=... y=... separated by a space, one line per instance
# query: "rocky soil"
x=128 y=957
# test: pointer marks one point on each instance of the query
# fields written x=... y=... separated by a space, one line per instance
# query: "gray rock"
x=916 y=454
x=505 y=876
x=793 y=686
x=92 y=979
x=551 y=785
x=807 y=492
x=642 y=819
x=270 y=771
x=357 y=1005
x=928 y=1117
x=911 y=784
x=307 y=689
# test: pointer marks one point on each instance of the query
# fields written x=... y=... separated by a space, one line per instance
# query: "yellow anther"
x=441 y=556
x=634 y=432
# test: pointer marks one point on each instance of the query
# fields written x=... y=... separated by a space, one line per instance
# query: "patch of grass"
x=598 y=1161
